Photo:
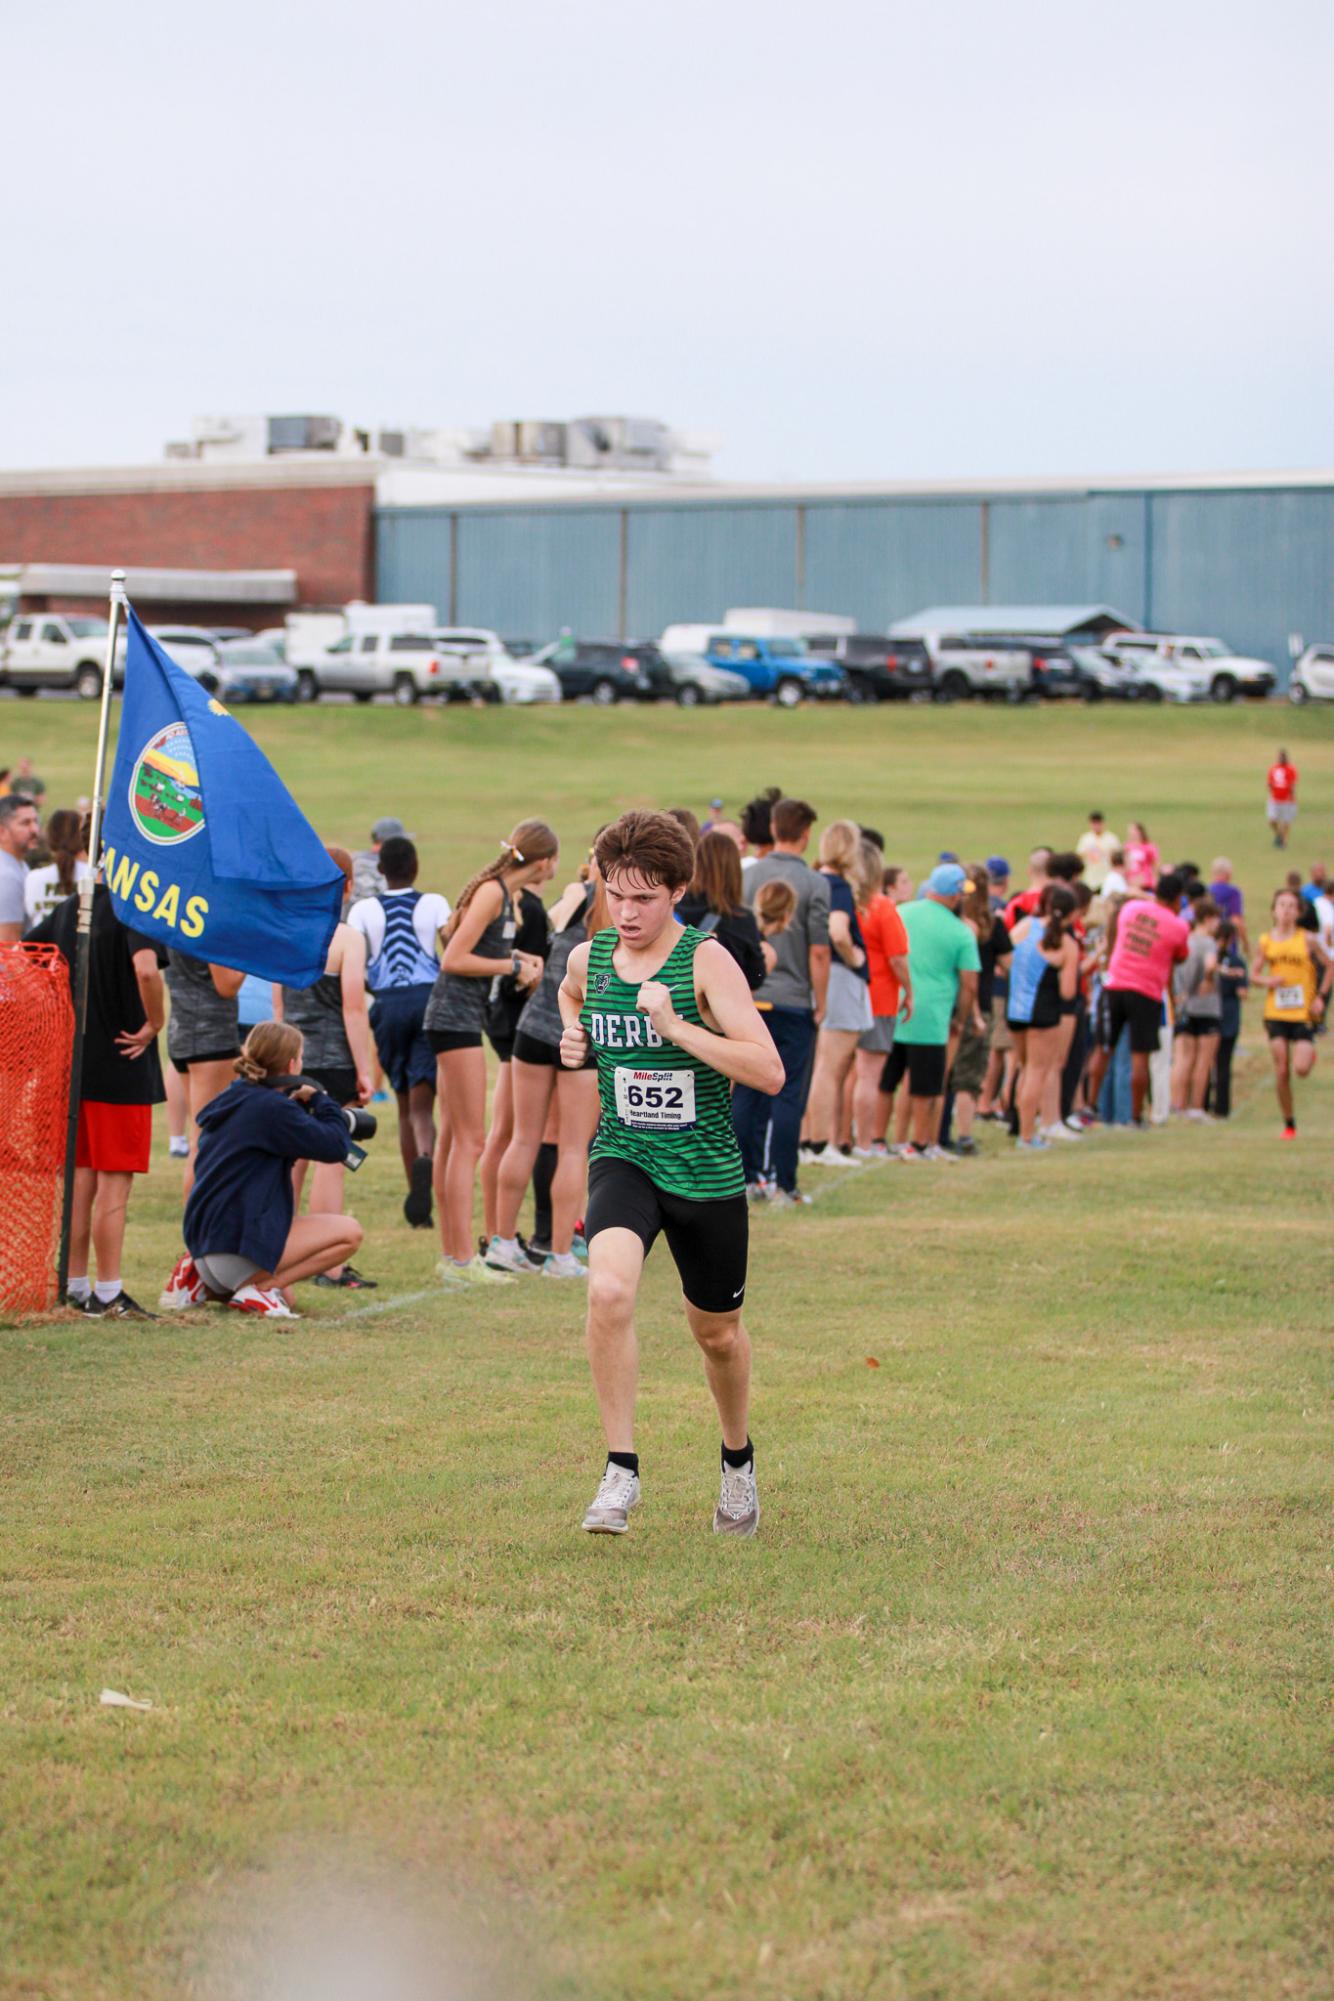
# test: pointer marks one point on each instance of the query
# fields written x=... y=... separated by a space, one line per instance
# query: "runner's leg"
x=109 y=1208
x=577 y=1100
x=725 y=1345
x=463 y=1134
x=531 y=1087
x=204 y=1082
x=502 y=1131
x=615 y=1262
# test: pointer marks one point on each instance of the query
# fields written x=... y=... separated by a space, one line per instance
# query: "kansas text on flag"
x=204 y=847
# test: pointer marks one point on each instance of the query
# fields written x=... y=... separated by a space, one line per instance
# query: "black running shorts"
x=1142 y=1015
x=707 y=1240
x=1289 y=1031
x=923 y=1063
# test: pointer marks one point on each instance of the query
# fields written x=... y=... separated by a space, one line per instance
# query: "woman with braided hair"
x=478 y=953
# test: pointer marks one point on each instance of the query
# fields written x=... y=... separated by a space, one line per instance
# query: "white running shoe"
x=184 y=1289
x=783 y=1198
x=508 y=1256
x=564 y=1264
x=178 y=1148
x=939 y=1153
x=808 y=1157
x=269 y=1305
x=757 y=1191
x=1059 y=1131
x=876 y=1151
x=738 y=1509
x=474 y=1272
x=618 y=1492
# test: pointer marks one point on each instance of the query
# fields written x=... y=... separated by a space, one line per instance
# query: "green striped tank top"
x=661 y=1107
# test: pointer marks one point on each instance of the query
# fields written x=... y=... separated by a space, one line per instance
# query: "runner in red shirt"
x=1281 y=779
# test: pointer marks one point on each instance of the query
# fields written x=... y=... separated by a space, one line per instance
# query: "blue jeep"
x=779 y=667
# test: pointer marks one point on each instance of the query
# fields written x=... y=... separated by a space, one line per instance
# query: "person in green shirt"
x=943 y=959
x=670 y=1022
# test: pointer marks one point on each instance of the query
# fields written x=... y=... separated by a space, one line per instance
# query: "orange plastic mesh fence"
x=36 y=1039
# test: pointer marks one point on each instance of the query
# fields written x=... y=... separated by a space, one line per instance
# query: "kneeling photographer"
x=244 y=1240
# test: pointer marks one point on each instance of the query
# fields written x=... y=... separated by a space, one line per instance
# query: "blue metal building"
x=1250 y=558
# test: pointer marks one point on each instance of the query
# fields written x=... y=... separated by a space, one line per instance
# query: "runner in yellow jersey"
x=1295 y=971
x=671 y=1025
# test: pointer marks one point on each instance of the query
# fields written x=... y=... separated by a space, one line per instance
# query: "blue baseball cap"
x=947 y=855
x=997 y=866
x=947 y=879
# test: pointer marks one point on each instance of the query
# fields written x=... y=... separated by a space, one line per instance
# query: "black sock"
x=738 y=1455
x=815 y=1145
x=629 y=1460
x=543 y=1169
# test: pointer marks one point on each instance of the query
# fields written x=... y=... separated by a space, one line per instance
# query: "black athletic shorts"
x=707 y=1240
x=1142 y=1015
x=340 y=1084
x=528 y=1049
x=1289 y=1031
x=445 y=1040
x=923 y=1063
x=1200 y=1024
x=183 y=1065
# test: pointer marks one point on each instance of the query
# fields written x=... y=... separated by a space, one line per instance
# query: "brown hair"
x=66 y=839
x=653 y=845
x=268 y=1051
x=791 y=817
x=717 y=876
x=531 y=841
x=977 y=903
x=685 y=818
x=775 y=906
x=838 y=846
x=866 y=875
x=1058 y=904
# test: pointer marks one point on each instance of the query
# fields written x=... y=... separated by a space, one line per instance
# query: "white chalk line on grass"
x=392 y=1305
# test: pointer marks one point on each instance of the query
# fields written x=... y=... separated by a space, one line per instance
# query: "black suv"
x=878 y=670
x=608 y=671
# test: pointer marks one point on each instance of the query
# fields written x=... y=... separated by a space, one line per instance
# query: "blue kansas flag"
x=204 y=848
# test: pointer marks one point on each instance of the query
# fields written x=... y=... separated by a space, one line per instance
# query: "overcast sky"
x=863 y=241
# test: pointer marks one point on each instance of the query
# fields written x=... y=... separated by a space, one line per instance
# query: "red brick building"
x=219 y=522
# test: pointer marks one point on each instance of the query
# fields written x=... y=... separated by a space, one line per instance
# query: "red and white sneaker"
x=268 y=1305
x=185 y=1288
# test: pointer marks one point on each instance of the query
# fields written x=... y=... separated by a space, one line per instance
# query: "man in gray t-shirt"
x=792 y=1001
x=20 y=832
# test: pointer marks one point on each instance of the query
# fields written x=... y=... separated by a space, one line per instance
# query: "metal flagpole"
x=83 y=935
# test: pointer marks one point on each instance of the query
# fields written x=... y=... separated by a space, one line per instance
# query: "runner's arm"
x=898 y=965
x=744 y=1050
x=226 y=981
x=356 y=1011
x=966 y=1004
x=570 y=999
x=487 y=903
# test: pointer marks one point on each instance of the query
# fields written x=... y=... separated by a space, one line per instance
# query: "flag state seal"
x=166 y=804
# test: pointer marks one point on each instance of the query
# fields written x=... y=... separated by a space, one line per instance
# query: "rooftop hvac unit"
x=539 y=439
x=504 y=439
x=641 y=442
x=304 y=434
x=392 y=444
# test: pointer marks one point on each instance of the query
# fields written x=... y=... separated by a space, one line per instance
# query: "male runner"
x=669 y=1018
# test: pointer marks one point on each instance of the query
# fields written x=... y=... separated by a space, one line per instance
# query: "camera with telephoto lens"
x=361 y=1124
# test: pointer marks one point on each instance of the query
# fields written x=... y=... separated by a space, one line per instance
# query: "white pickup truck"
x=963 y=665
x=53 y=649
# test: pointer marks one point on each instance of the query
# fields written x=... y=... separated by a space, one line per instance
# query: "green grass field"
x=1021 y=1690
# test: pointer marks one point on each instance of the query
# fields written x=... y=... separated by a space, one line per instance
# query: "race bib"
x=1290 y=997
x=655 y=1101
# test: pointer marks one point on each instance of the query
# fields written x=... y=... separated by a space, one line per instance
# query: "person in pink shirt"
x=1141 y=857
x=1151 y=940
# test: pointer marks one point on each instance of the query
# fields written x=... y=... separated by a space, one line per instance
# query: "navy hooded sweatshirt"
x=242 y=1198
